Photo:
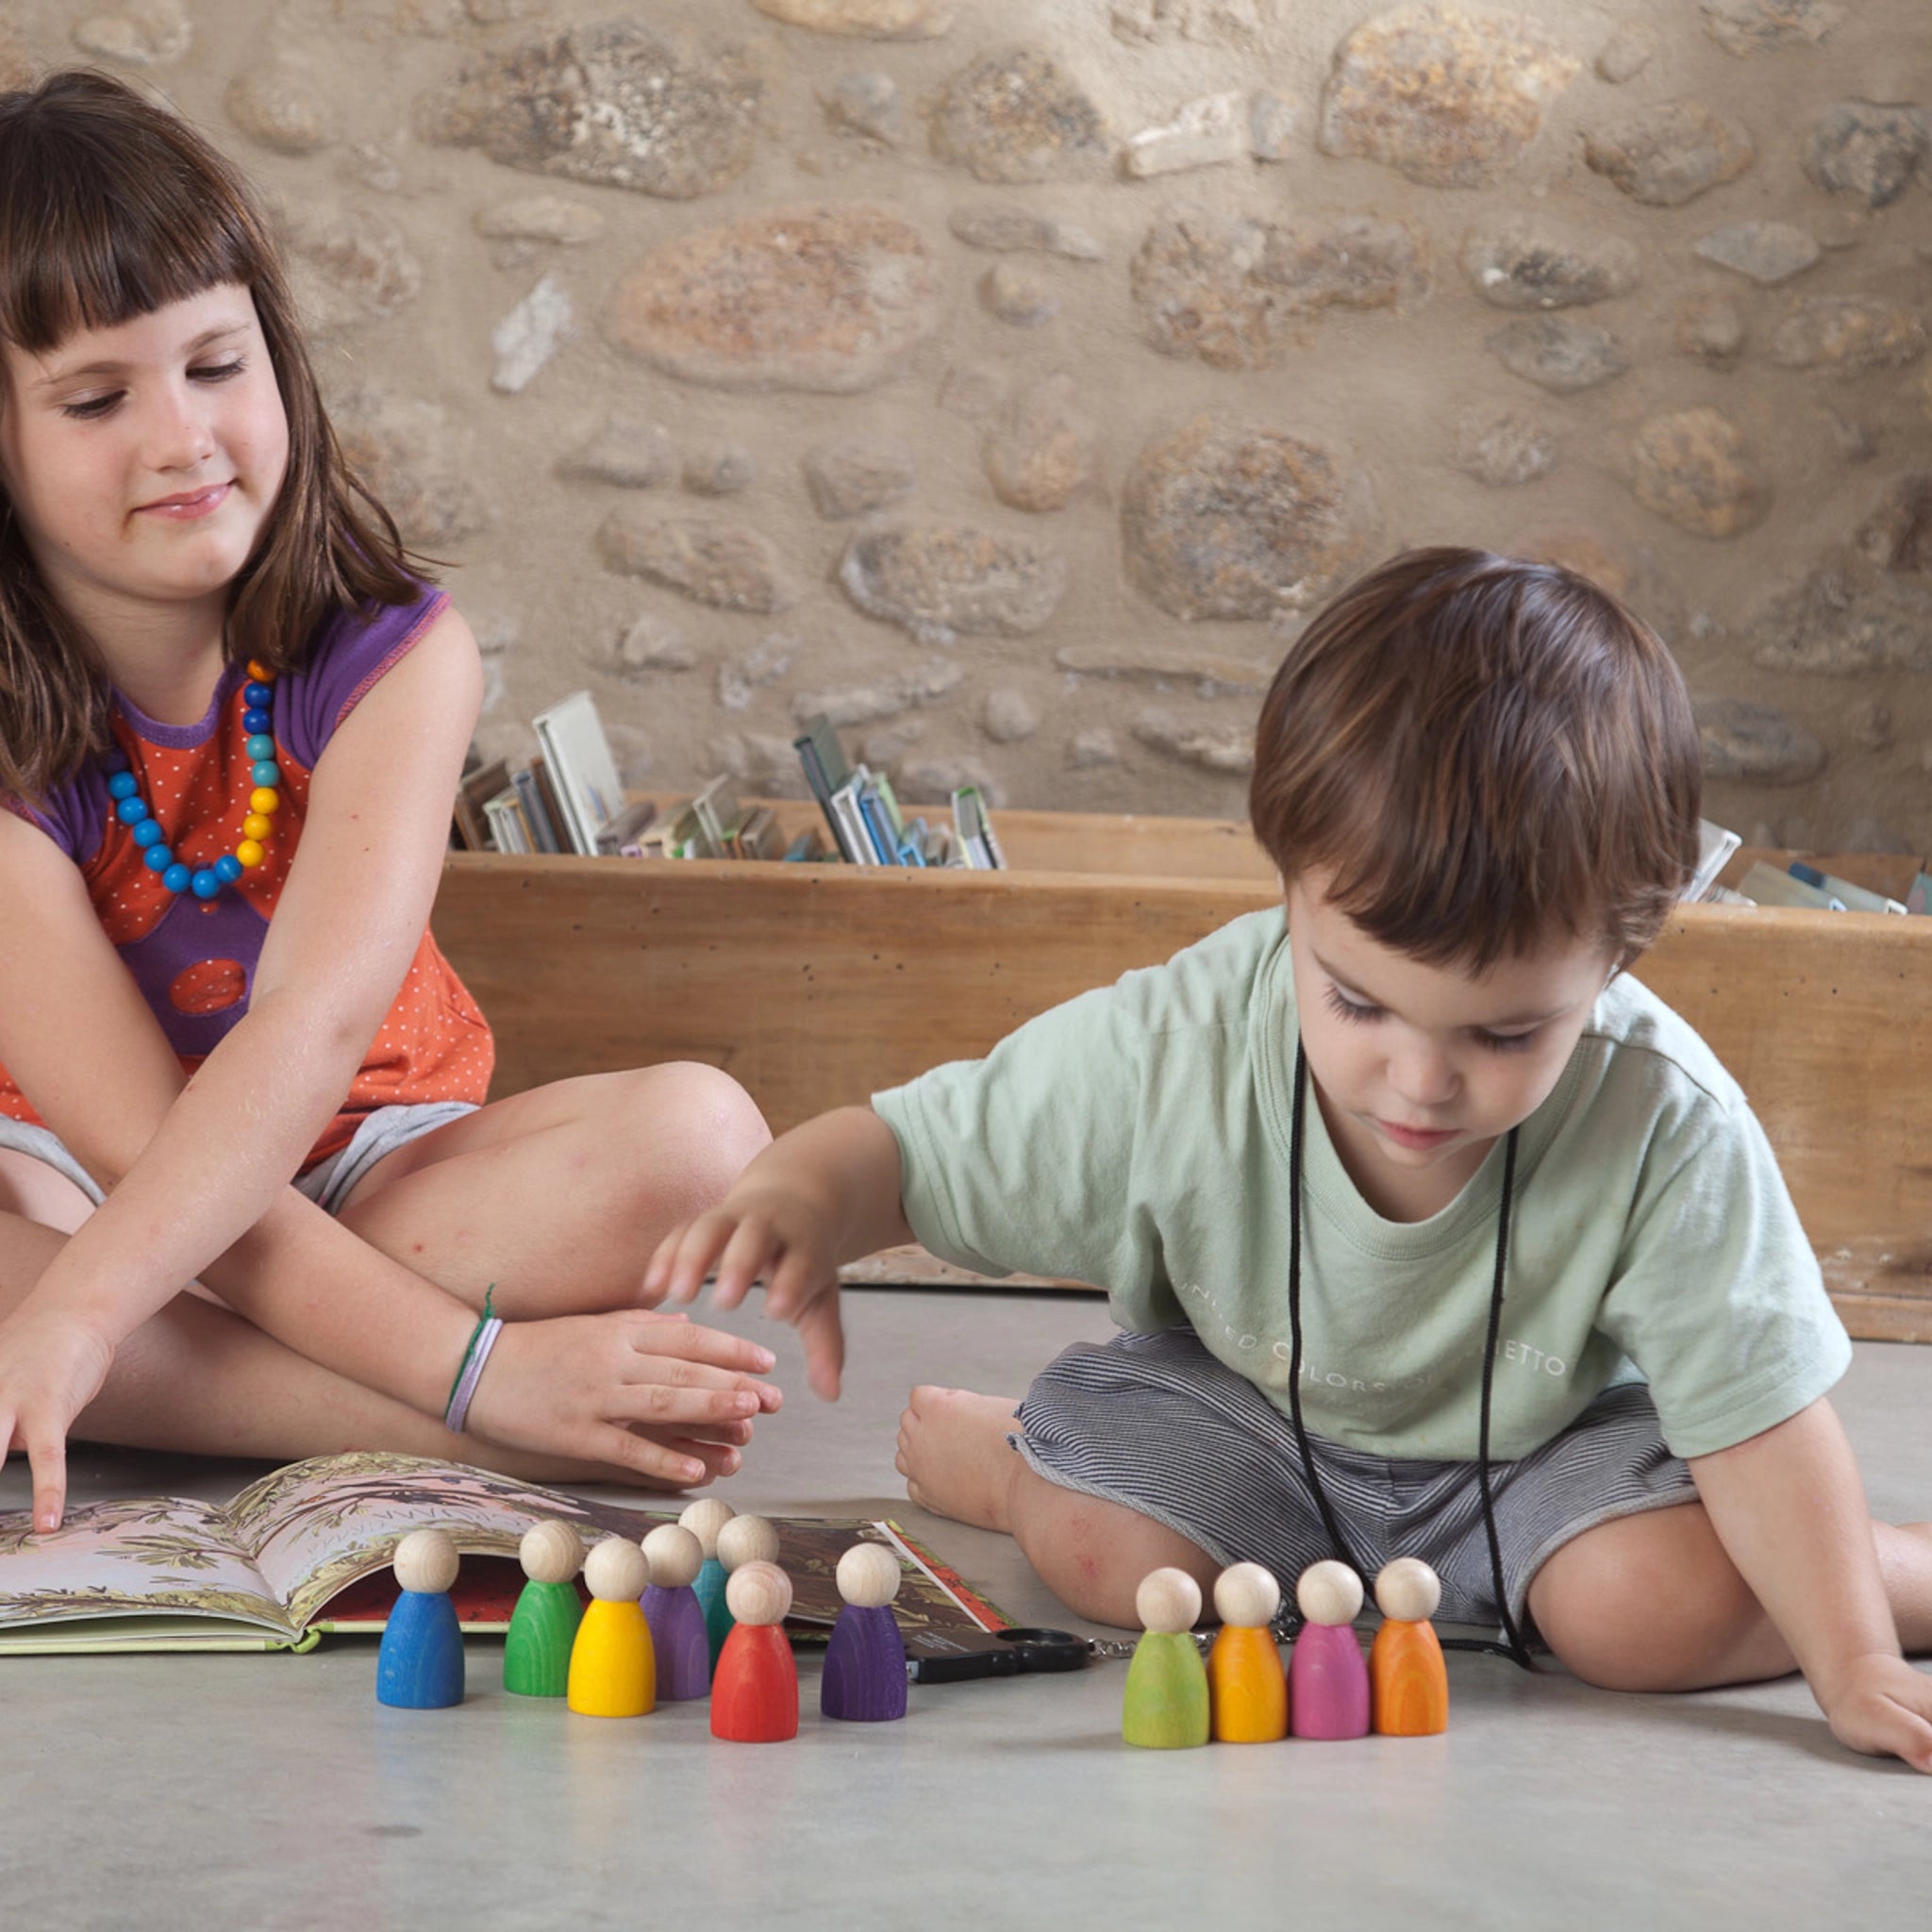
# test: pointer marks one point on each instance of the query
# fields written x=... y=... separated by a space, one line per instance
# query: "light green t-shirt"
x=1138 y=1138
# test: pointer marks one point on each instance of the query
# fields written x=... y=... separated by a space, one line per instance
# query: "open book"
x=305 y=1550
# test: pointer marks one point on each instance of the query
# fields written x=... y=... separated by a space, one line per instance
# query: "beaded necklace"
x=132 y=809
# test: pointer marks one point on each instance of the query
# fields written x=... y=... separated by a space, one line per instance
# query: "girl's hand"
x=664 y=1400
x=762 y=1231
x=1883 y=1707
x=51 y=1367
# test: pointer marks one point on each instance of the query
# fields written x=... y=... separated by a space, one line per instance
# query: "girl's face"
x=1420 y=1068
x=143 y=460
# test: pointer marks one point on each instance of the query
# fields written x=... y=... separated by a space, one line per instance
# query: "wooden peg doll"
x=1165 y=1706
x=1327 y=1676
x=614 y=1671
x=865 y=1661
x=705 y=1519
x=544 y=1626
x=678 y=1636
x=741 y=1541
x=420 y=1665
x=1409 y=1681
x=755 y=1688
x=1247 y=1685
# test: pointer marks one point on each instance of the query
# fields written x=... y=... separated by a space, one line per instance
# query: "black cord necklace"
x=1512 y=1646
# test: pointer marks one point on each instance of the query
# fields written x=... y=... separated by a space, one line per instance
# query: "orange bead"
x=263 y=800
x=249 y=853
x=260 y=672
x=255 y=827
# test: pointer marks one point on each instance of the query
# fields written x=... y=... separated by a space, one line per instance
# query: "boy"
x=1522 y=1292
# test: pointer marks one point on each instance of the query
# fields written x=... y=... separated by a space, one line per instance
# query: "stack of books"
x=866 y=825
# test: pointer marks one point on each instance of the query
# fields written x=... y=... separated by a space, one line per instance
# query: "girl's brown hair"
x=1482 y=754
x=111 y=207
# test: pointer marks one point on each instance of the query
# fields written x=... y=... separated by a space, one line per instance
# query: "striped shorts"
x=1159 y=1424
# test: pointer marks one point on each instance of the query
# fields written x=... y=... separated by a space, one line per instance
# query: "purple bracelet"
x=472 y=1373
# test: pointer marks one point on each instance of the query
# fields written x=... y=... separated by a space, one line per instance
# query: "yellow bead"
x=263 y=800
x=249 y=853
x=260 y=672
x=255 y=827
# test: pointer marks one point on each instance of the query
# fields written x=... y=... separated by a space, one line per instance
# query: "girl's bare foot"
x=954 y=1456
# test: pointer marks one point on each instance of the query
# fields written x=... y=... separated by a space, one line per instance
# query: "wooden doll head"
x=677 y=1555
x=1407 y=1590
x=427 y=1559
x=1330 y=1592
x=759 y=1592
x=1167 y=1601
x=1247 y=1596
x=705 y=1519
x=551 y=1553
x=869 y=1575
x=617 y=1568
x=747 y=1539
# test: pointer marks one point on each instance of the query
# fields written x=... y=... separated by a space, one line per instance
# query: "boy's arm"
x=825 y=1193
x=1789 y=1509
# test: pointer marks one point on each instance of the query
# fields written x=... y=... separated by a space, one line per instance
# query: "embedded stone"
x=540 y=218
x=1202 y=134
x=609 y=103
x=1626 y=53
x=1535 y=262
x=143 y=33
x=1898 y=537
x=1162 y=23
x=904 y=691
x=728 y=566
x=1009 y=230
x=932 y=781
x=940 y=580
x=652 y=643
x=718 y=469
x=1009 y=716
x=1754 y=742
x=859 y=474
x=1842 y=623
x=1690 y=469
x=531 y=335
x=1168 y=662
x=1870 y=724
x=1711 y=327
x=1503 y=447
x=741 y=678
x=1018 y=296
x=1847 y=333
x=1868 y=149
x=969 y=391
x=1669 y=153
x=1273 y=126
x=350 y=266
x=1226 y=750
x=1222 y=520
x=1559 y=353
x=1016 y=117
x=1092 y=749
x=1040 y=448
x=1755 y=26
x=1450 y=99
x=762 y=762
x=416 y=462
x=282 y=104
x=626 y=451
x=871 y=20
x=1228 y=288
x=863 y=104
x=1767 y=252
x=826 y=299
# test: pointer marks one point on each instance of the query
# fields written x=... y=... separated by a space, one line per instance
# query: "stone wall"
x=1010 y=380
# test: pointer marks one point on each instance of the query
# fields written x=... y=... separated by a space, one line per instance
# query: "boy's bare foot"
x=953 y=1455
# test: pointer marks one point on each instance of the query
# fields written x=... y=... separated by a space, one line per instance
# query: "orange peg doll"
x=1407 y=1681
x=1246 y=1684
x=755 y=1688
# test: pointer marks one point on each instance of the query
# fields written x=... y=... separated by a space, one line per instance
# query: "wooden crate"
x=817 y=984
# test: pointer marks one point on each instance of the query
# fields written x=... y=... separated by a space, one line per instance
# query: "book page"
x=167 y=1554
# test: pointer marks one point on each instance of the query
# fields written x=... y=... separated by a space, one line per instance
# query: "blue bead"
x=268 y=772
x=177 y=878
x=258 y=697
x=227 y=868
x=260 y=745
x=256 y=719
x=124 y=784
x=205 y=883
x=148 y=833
x=130 y=812
x=114 y=758
x=157 y=858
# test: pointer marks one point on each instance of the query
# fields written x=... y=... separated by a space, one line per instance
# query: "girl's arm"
x=1789 y=1509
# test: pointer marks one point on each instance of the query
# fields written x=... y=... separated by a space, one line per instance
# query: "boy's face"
x=1418 y=1068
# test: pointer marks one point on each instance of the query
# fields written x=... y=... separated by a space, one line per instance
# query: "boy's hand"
x=667 y=1400
x=1882 y=1706
x=51 y=1367
x=762 y=1232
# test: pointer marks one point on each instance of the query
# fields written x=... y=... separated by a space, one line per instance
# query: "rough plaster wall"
x=1252 y=338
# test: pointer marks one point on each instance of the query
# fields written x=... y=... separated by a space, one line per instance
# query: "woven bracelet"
x=470 y=1371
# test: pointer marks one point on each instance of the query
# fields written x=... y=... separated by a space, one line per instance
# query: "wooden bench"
x=817 y=984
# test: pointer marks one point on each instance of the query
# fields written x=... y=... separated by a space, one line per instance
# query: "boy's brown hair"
x=111 y=207
x=1484 y=755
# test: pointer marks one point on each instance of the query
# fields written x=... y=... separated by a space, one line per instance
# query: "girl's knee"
x=685 y=1127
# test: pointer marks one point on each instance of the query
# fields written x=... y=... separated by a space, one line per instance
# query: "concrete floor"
x=264 y=1793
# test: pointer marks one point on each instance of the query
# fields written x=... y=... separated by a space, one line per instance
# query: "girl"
x=231 y=723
